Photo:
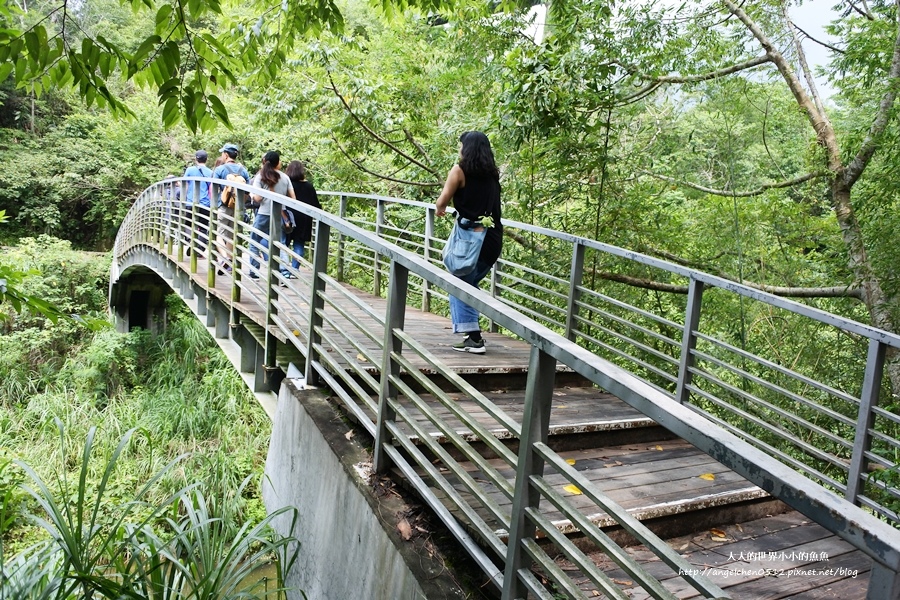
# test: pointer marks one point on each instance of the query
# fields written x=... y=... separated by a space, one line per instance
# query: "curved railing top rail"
x=822 y=316
x=877 y=538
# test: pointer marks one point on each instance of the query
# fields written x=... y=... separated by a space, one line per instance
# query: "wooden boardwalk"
x=631 y=459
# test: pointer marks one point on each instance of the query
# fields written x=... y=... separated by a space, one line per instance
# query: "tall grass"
x=173 y=395
x=105 y=544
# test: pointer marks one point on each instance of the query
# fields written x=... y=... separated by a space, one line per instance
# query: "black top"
x=306 y=193
x=480 y=198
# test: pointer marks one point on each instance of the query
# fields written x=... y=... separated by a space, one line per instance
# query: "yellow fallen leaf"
x=572 y=489
x=716 y=538
x=404 y=529
x=297 y=333
x=708 y=476
x=659 y=448
x=360 y=358
x=570 y=461
x=718 y=532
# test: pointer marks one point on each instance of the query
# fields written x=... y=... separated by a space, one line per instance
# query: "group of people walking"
x=296 y=227
x=472 y=186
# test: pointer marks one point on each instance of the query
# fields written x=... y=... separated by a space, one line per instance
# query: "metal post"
x=316 y=301
x=429 y=237
x=535 y=427
x=271 y=287
x=883 y=583
x=575 y=277
x=495 y=286
x=689 y=340
x=193 y=240
x=211 y=236
x=236 y=251
x=342 y=211
x=394 y=319
x=376 y=259
x=868 y=400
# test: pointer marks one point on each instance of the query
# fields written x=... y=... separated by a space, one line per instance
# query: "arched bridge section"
x=363 y=311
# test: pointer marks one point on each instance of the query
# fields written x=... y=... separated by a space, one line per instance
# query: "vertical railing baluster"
x=689 y=340
x=271 y=360
x=342 y=213
x=379 y=227
x=862 y=442
x=316 y=301
x=535 y=428
x=193 y=240
x=429 y=237
x=576 y=273
x=394 y=319
x=236 y=250
x=496 y=273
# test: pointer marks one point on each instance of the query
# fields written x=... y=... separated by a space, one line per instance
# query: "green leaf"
x=5 y=69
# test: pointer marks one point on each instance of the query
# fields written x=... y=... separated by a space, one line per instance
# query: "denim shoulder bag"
x=463 y=247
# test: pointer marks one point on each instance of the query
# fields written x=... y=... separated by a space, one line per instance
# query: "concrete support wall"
x=350 y=545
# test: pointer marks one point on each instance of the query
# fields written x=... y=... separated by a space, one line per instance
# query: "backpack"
x=229 y=193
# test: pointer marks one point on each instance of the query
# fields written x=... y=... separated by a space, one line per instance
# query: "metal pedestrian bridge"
x=364 y=314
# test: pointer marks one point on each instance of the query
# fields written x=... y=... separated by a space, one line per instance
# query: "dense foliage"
x=176 y=391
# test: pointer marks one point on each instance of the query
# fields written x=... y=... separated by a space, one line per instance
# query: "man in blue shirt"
x=199 y=170
x=225 y=230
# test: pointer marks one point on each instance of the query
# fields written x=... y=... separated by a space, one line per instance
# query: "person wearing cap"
x=228 y=154
x=199 y=169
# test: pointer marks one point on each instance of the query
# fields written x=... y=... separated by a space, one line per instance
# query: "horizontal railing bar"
x=632 y=359
x=887 y=415
x=479 y=430
x=534 y=585
x=462 y=385
x=563 y=583
x=520 y=294
x=455 y=467
x=757 y=401
x=367 y=378
x=586 y=293
x=543 y=275
x=621 y=336
x=878 y=508
x=352 y=362
x=787 y=436
x=586 y=567
x=594 y=310
x=485 y=532
x=760 y=444
x=626 y=520
x=337 y=388
x=495 y=575
x=774 y=387
x=530 y=312
x=776 y=367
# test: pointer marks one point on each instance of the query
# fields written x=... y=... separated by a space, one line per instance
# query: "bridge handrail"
x=875 y=537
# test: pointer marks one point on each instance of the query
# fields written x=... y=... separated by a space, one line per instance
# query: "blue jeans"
x=463 y=316
x=260 y=228
x=299 y=250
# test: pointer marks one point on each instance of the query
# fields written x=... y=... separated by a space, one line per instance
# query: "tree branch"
x=804 y=66
x=742 y=194
x=659 y=286
x=377 y=137
x=747 y=64
x=819 y=42
x=360 y=166
x=819 y=120
x=870 y=144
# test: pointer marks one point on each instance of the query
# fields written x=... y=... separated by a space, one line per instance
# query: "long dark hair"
x=476 y=157
x=268 y=174
x=296 y=170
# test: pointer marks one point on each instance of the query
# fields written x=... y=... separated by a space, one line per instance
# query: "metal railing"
x=671 y=363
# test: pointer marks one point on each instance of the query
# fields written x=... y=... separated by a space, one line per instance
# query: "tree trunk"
x=871 y=292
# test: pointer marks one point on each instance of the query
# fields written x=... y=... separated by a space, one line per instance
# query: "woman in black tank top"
x=474 y=187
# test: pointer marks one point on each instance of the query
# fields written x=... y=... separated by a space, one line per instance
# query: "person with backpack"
x=199 y=169
x=295 y=237
x=269 y=178
x=230 y=170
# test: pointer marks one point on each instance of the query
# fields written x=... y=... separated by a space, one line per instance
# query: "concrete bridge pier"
x=139 y=302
